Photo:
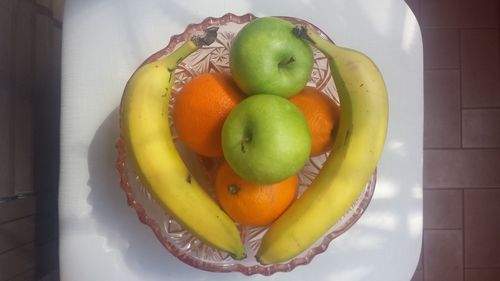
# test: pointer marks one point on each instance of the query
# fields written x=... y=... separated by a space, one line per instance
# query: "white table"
x=105 y=40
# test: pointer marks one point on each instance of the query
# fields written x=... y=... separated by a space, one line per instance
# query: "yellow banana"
x=356 y=150
x=146 y=131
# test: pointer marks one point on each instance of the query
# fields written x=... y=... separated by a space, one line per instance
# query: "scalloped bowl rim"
x=266 y=270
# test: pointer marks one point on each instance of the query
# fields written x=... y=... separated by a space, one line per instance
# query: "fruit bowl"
x=180 y=242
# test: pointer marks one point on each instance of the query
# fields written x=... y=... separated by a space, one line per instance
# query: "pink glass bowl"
x=177 y=240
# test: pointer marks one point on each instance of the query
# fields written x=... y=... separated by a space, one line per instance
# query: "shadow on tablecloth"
x=118 y=224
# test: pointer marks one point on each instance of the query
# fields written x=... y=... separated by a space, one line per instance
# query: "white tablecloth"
x=105 y=40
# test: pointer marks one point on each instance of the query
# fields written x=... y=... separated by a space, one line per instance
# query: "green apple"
x=266 y=139
x=267 y=58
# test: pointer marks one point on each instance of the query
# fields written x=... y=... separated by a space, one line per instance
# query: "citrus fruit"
x=200 y=109
x=253 y=204
x=322 y=115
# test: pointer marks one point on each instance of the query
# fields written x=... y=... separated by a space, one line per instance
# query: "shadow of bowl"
x=116 y=222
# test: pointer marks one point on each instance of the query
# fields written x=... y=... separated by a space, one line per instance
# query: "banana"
x=356 y=150
x=145 y=127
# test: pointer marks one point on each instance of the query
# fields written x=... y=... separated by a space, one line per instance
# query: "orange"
x=200 y=109
x=322 y=115
x=253 y=204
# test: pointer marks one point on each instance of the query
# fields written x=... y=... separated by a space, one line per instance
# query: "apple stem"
x=246 y=140
x=285 y=63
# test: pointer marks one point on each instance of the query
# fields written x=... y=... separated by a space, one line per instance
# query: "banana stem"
x=328 y=48
x=197 y=41
x=207 y=38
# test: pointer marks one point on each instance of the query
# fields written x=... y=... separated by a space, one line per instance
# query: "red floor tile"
x=440 y=13
x=6 y=169
x=414 y=6
x=443 y=209
x=457 y=168
x=17 y=233
x=443 y=255
x=23 y=97
x=26 y=276
x=481 y=127
x=17 y=209
x=24 y=46
x=420 y=264
x=7 y=9
x=442 y=108
x=23 y=143
x=418 y=276
x=17 y=261
x=482 y=274
x=480 y=68
x=58 y=9
x=459 y=13
x=441 y=48
x=482 y=228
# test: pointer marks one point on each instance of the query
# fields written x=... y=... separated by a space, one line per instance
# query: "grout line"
x=17 y=219
x=463 y=234
x=482 y=268
x=17 y=197
x=18 y=246
x=441 y=68
x=463 y=188
x=459 y=27
x=469 y=147
x=444 y=189
x=15 y=103
x=447 y=188
x=460 y=95
x=462 y=148
x=442 y=229
x=439 y=229
x=32 y=89
x=441 y=148
x=11 y=131
x=482 y=108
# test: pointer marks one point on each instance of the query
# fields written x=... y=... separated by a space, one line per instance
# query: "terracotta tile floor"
x=461 y=140
x=30 y=51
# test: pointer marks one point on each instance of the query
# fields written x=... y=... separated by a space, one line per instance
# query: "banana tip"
x=259 y=260
x=238 y=256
